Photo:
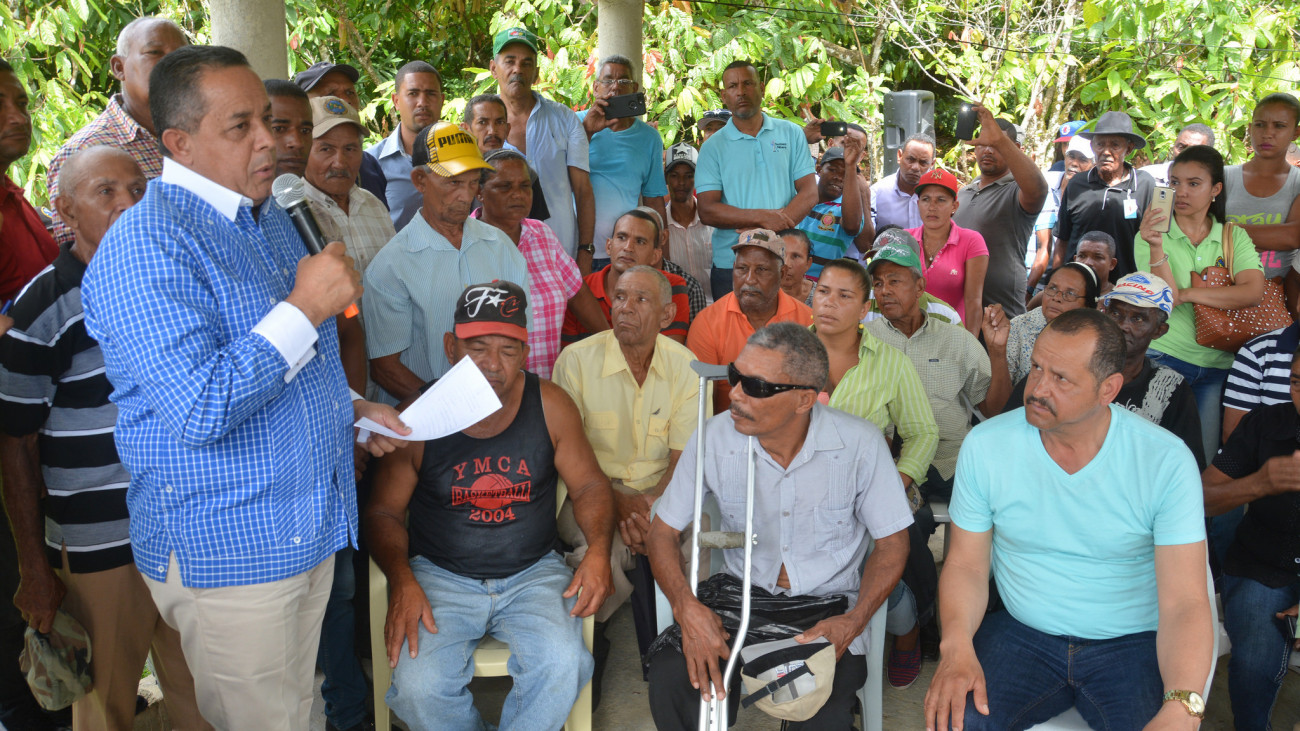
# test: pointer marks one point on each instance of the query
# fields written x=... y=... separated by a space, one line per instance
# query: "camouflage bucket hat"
x=57 y=665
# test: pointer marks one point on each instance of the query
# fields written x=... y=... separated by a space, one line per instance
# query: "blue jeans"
x=1260 y=647
x=345 y=689
x=548 y=661
x=1033 y=676
x=720 y=282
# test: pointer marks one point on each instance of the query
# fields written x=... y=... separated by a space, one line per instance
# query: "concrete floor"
x=625 y=704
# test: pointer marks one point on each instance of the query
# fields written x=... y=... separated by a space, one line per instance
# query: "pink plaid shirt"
x=113 y=127
x=555 y=278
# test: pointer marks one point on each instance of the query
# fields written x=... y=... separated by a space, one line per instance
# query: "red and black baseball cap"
x=494 y=308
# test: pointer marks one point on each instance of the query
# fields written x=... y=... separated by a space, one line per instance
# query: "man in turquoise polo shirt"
x=754 y=173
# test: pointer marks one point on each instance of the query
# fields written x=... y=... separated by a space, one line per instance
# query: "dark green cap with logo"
x=514 y=35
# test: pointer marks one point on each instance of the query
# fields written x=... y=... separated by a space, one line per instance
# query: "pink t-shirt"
x=945 y=278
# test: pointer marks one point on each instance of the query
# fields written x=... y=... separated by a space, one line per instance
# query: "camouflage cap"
x=57 y=665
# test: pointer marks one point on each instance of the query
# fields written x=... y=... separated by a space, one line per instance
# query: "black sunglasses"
x=757 y=387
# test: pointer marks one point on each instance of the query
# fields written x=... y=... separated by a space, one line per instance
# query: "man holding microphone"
x=234 y=421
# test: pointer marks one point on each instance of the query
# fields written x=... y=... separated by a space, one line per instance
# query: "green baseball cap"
x=896 y=250
x=514 y=35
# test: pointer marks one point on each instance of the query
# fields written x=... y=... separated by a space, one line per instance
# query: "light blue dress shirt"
x=403 y=197
x=557 y=142
x=815 y=517
x=413 y=283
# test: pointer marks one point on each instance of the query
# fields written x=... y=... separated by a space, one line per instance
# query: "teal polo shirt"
x=752 y=172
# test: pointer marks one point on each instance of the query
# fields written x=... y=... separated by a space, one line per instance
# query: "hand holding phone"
x=625 y=105
x=966 y=120
x=1162 y=201
x=834 y=129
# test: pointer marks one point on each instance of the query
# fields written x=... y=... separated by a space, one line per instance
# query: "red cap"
x=939 y=177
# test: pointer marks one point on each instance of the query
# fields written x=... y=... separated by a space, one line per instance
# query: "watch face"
x=1196 y=703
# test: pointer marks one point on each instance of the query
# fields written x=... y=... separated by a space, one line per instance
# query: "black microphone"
x=290 y=195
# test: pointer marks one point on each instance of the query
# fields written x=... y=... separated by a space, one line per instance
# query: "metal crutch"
x=714 y=712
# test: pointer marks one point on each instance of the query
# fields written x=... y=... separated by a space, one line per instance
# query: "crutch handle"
x=709 y=371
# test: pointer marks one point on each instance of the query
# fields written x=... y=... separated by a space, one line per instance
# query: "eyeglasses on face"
x=1064 y=295
x=624 y=85
x=757 y=387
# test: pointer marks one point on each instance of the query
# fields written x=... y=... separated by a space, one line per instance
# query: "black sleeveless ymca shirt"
x=485 y=508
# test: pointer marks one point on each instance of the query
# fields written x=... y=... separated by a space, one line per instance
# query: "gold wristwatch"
x=1190 y=699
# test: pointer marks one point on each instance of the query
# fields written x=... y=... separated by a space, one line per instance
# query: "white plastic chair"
x=871 y=693
x=1071 y=720
x=490 y=657
x=942 y=517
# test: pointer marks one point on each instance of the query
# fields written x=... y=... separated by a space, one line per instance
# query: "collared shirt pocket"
x=602 y=430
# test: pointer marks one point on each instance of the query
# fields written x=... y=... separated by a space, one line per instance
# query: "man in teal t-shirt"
x=755 y=172
x=1091 y=520
x=626 y=156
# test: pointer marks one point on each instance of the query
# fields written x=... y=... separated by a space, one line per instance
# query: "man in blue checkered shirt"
x=234 y=417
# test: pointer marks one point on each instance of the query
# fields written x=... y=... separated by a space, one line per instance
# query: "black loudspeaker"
x=906 y=113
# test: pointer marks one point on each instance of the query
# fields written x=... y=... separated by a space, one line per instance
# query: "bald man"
x=56 y=435
x=126 y=123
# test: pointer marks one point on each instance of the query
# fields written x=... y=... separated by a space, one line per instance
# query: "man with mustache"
x=1140 y=305
x=824 y=486
x=550 y=135
x=234 y=415
x=1091 y=520
x=412 y=283
x=345 y=211
x=720 y=331
x=339 y=79
x=839 y=225
x=754 y=173
x=417 y=97
x=1002 y=204
x=486 y=119
x=56 y=434
x=465 y=529
x=1111 y=197
x=125 y=122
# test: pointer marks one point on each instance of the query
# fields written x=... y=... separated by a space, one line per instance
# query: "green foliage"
x=1038 y=62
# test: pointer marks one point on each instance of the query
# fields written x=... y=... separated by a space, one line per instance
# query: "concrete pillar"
x=258 y=29
x=619 y=30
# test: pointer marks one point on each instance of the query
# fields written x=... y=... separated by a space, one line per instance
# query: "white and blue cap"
x=1142 y=289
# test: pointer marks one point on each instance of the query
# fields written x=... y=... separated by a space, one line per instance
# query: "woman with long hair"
x=1195 y=241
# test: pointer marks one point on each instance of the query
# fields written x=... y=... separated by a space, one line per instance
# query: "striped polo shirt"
x=52 y=384
x=1261 y=372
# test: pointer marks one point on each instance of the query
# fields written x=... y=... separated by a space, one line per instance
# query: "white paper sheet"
x=459 y=399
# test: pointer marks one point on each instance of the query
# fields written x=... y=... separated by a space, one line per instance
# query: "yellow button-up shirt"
x=631 y=427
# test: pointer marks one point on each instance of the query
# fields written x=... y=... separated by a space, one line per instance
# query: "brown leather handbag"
x=1230 y=329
